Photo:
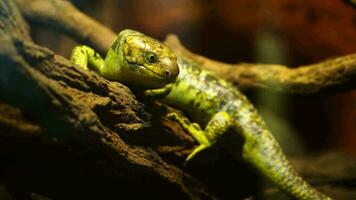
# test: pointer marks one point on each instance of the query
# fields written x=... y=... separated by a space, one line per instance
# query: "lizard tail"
x=262 y=151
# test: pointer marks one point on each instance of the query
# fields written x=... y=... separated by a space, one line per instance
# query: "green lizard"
x=143 y=62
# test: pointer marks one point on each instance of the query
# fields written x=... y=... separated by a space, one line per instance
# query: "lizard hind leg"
x=218 y=124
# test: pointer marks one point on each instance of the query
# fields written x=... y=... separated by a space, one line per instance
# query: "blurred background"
x=290 y=32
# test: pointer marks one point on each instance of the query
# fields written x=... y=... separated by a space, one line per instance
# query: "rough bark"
x=46 y=97
x=49 y=105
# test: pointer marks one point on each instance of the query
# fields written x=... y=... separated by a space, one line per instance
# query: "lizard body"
x=140 y=61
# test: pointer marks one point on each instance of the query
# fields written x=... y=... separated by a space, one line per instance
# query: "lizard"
x=139 y=61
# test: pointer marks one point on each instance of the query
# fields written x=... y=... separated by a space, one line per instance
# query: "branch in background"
x=89 y=108
x=331 y=76
x=67 y=102
x=63 y=16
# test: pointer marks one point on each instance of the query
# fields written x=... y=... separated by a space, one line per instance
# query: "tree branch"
x=66 y=102
x=63 y=16
x=331 y=76
x=44 y=97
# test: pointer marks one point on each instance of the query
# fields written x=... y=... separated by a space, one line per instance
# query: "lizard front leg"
x=159 y=93
x=84 y=56
x=218 y=125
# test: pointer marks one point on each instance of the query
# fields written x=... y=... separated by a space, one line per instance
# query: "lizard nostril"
x=167 y=73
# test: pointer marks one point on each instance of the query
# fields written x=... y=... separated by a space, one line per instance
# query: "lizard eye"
x=151 y=57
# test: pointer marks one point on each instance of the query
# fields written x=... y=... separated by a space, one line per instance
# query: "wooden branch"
x=12 y=21
x=13 y=123
x=66 y=102
x=334 y=75
x=63 y=16
x=330 y=76
x=44 y=97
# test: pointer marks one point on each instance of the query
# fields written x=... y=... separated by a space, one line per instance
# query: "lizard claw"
x=173 y=116
x=196 y=126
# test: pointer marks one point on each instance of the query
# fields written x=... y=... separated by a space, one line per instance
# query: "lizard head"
x=140 y=61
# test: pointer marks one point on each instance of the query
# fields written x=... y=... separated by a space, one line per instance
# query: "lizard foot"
x=194 y=130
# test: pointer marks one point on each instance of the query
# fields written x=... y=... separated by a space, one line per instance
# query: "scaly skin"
x=134 y=59
x=142 y=62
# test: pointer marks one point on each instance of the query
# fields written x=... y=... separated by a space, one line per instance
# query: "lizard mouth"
x=146 y=68
x=161 y=75
x=142 y=67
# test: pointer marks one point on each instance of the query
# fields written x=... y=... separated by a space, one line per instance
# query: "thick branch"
x=334 y=75
x=67 y=102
